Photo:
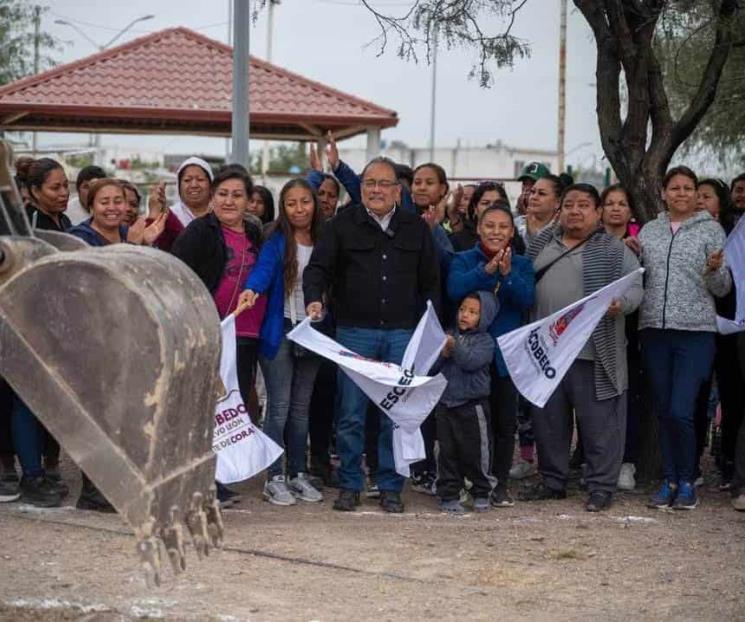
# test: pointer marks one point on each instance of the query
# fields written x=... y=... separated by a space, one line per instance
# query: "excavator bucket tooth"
x=116 y=351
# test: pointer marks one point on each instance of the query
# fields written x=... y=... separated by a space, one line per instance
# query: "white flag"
x=538 y=355
x=399 y=391
x=242 y=449
x=734 y=256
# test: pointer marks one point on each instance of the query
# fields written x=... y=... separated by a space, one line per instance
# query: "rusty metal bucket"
x=116 y=351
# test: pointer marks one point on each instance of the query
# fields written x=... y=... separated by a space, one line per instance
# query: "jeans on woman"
x=289 y=385
x=28 y=439
x=676 y=364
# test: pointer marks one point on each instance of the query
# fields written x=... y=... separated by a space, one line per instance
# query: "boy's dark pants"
x=465 y=439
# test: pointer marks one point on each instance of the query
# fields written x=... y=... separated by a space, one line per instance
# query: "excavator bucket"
x=116 y=351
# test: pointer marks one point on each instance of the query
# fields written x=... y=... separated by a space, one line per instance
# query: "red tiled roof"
x=177 y=80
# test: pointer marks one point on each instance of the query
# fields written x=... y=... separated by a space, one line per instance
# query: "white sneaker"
x=301 y=488
x=276 y=491
x=626 y=479
x=522 y=470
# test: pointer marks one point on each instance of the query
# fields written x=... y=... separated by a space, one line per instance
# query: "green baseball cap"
x=534 y=171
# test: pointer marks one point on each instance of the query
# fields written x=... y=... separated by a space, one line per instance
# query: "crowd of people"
x=363 y=271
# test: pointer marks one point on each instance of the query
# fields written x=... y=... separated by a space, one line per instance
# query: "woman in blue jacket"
x=289 y=371
x=491 y=265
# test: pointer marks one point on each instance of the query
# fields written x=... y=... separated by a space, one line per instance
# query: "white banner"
x=402 y=392
x=242 y=449
x=538 y=355
x=734 y=256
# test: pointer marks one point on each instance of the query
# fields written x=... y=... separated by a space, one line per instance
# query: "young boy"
x=463 y=412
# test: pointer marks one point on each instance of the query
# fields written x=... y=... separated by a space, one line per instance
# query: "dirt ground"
x=536 y=561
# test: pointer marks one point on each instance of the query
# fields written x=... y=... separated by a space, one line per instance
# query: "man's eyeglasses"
x=383 y=184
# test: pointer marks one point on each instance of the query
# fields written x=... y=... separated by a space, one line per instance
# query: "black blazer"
x=379 y=279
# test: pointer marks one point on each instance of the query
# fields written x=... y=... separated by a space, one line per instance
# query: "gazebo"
x=177 y=81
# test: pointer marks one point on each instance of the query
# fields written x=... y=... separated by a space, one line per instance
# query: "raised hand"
x=156 y=200
x=155 y=229
x=332 y=151
x=505 y=261
x=315 y=160
x=136 y=231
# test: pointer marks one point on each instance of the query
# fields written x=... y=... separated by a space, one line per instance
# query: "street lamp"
x=101 y=48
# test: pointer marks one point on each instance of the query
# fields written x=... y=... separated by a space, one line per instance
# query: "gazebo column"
x=373 y=143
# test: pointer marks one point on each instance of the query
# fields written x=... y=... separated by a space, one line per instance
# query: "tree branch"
x=707 y=89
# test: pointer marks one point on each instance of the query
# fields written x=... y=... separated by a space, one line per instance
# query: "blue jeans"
x=677 y=363
x=28 y=439
x=381 y=345
x=289 y=386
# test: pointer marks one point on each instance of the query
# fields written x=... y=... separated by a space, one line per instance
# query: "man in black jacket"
x=381 y=265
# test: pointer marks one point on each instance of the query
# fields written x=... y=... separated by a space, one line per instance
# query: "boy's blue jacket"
x=267 y=278
x=516 y=293
x=467 y=367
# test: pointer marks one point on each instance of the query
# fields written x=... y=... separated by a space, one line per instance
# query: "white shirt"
x=384 y=220
x=303 y=257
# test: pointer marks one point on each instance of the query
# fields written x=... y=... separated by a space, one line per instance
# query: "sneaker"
x=40 y=492
x=599 y=501
x=424 y=483
x=347 y=500
x=738 y=502
x=686 y=498
x=8 y=492
x=60 y=486
x=453 y=506
x=500 y=498
x=226 y=497
x=276 y=491
x=9 y=474
x=94 y=501
x=481 y=504
x=464 y=496
x=626 y=479
x=316 y=481
x=391 y=502
x=664 y=497
x=302 y=489
x=52 y=472
x=541 y=492
x=373 y=492
x=522 y=470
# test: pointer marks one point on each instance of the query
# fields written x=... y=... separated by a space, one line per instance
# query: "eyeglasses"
x=383 y=184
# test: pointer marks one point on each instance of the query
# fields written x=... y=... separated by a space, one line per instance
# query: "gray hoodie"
x=678 y=292
x=467 y=368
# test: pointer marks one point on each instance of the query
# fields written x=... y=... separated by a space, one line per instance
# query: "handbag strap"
x=542 y=272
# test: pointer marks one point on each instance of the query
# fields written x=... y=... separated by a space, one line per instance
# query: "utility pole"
x=433 y=101
x=230 y=43
x=562 y=82
x=37 y=38
x=240 y=120
x=269 y=42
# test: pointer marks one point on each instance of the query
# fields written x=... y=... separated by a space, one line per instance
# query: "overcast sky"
x=327 y=40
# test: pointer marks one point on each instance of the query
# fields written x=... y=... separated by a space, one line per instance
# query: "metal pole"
x=37 y=38
x=240 y=121
x=230 y=43
x=433 y=101
x=269 y=41
x=562 y=82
